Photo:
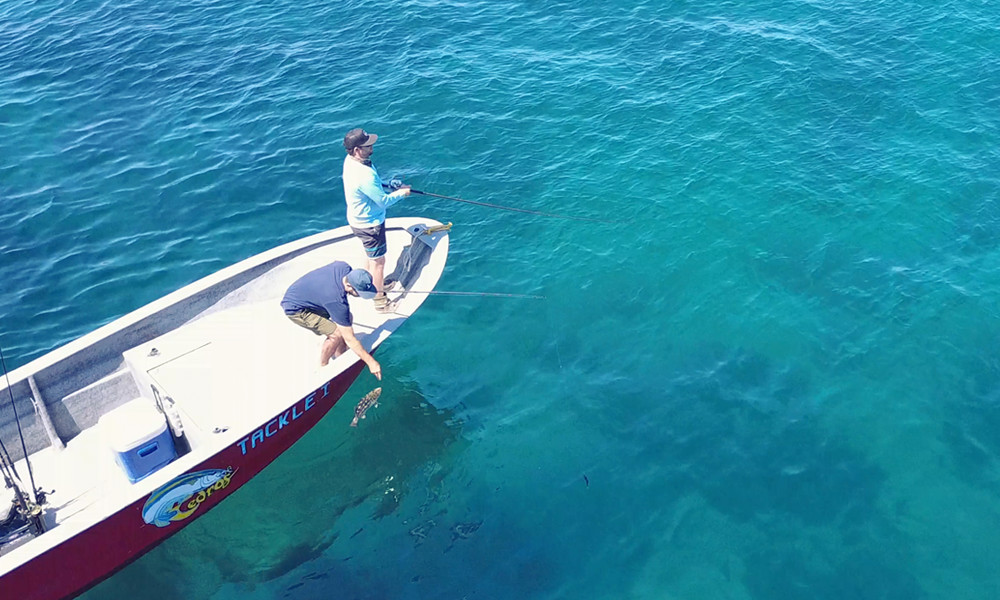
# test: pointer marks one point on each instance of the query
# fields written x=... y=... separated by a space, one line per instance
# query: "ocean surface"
x=771 y=375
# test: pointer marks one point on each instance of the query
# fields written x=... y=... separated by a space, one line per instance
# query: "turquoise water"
x=771 y=377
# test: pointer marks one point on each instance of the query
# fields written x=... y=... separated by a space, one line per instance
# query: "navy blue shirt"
x=321 y=292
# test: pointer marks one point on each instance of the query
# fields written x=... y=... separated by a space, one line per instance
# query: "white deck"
x=228 y=372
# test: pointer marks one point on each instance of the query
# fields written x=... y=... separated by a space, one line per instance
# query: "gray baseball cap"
x=356 y=138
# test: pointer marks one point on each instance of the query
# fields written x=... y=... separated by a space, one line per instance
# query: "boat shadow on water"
x=323 y=502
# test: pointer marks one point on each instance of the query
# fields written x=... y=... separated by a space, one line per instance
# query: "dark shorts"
x=314 y=323
x=373 y=239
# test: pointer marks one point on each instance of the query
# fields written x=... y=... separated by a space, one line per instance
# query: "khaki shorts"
x=314 y=323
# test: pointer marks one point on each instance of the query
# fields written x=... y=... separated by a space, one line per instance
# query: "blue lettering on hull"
x=281 y=421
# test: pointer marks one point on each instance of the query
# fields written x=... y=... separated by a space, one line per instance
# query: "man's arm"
x=347 y=332
x=372 y=188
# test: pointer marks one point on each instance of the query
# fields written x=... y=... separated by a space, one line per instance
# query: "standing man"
x=318 y=302
x=366 y=204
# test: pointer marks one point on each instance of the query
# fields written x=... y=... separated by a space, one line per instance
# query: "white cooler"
x=138 y=435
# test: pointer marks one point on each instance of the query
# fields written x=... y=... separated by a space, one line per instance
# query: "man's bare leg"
x=333 y=346
x=376 y=266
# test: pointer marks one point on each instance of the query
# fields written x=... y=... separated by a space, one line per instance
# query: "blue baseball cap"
x=361 y=281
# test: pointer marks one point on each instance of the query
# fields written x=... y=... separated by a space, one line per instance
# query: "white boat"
x=137 y=428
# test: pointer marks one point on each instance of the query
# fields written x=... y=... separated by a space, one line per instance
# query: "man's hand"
x=352 y=342
x=396 y=185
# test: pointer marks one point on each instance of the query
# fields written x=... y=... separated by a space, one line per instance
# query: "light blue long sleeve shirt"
x=366 y=200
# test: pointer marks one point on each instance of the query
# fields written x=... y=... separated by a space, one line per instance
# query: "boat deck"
x=227 y=372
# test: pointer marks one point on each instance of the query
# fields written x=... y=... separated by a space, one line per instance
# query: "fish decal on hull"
x=181 y=496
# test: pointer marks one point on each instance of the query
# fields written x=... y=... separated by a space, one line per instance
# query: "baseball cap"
x=358 y=137
x=361 y=281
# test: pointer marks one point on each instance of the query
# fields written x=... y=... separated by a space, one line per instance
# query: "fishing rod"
x=28 y=506
x=17 y=419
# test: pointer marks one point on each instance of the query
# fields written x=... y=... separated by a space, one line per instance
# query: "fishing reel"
x=395 y=184
x=42 y=496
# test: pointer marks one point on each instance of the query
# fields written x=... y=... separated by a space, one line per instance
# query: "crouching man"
x=318 y=302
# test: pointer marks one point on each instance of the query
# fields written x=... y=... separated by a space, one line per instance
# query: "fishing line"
x=489 y=294
x=512 y=208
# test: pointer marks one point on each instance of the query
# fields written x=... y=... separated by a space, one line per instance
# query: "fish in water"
x=370 y=400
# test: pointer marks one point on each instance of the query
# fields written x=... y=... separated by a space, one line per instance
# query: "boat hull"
x=96 y=553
